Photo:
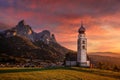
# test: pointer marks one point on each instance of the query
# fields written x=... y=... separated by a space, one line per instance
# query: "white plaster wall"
x=82 y=53
x=83 y=56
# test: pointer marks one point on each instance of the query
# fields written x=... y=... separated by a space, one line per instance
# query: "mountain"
x=24 y=30
x=22 y=42
x=109 y=54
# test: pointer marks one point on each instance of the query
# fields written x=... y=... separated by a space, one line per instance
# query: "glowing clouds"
x=63 y=17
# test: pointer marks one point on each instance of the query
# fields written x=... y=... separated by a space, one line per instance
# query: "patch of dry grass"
x=73 y=73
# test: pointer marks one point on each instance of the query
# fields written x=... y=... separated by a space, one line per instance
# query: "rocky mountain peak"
x=25 y=30
x=21 y=23
x=46 y=32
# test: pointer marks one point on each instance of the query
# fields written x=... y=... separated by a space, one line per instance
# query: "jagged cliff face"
x=24 y=30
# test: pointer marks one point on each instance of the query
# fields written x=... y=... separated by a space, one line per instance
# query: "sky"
x=101 y=18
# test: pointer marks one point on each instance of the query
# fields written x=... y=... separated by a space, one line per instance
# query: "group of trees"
x=107 y=66
x=105 y=62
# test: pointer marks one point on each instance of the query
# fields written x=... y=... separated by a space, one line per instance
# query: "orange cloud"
x=63 y=18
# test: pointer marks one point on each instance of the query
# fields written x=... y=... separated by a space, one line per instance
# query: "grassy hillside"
x=73 y=73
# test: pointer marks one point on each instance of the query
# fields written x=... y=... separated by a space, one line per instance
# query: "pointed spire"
x=81 y=29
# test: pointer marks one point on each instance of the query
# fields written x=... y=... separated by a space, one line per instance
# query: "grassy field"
x=73 y=73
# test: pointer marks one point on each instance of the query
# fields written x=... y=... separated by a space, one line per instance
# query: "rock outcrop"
x=24 y=30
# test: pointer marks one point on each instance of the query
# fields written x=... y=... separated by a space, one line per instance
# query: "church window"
x=83 y=47
x=83 y=42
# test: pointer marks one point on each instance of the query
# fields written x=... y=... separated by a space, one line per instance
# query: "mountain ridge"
x=110 y=54
x=25 y=30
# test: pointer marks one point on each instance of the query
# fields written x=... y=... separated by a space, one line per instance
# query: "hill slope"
x=73 y=73
x=106 y=60
x=21 y=47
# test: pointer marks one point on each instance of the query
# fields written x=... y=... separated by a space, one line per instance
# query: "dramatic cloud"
x=63 y=17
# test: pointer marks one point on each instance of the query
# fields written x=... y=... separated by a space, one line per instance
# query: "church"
x=81 y=58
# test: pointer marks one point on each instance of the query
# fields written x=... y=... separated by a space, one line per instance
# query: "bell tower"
x=82 y=48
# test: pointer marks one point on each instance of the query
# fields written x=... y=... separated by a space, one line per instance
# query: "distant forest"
x=105 y=62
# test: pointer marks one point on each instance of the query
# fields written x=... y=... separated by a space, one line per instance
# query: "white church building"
x=81 y=59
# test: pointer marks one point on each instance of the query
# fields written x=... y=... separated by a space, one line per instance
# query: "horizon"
x=63 y=18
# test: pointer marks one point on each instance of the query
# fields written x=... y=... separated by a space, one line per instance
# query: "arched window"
x=83 y=42
x=83 y=47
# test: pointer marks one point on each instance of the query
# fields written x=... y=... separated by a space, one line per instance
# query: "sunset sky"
x=101 y=19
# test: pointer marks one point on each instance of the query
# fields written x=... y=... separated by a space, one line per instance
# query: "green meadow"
x=65 y=73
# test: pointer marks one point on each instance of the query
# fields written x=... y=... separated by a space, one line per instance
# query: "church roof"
x=82 y=29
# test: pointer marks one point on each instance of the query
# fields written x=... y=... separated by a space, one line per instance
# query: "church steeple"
x=82 y=48
x=82 y=29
